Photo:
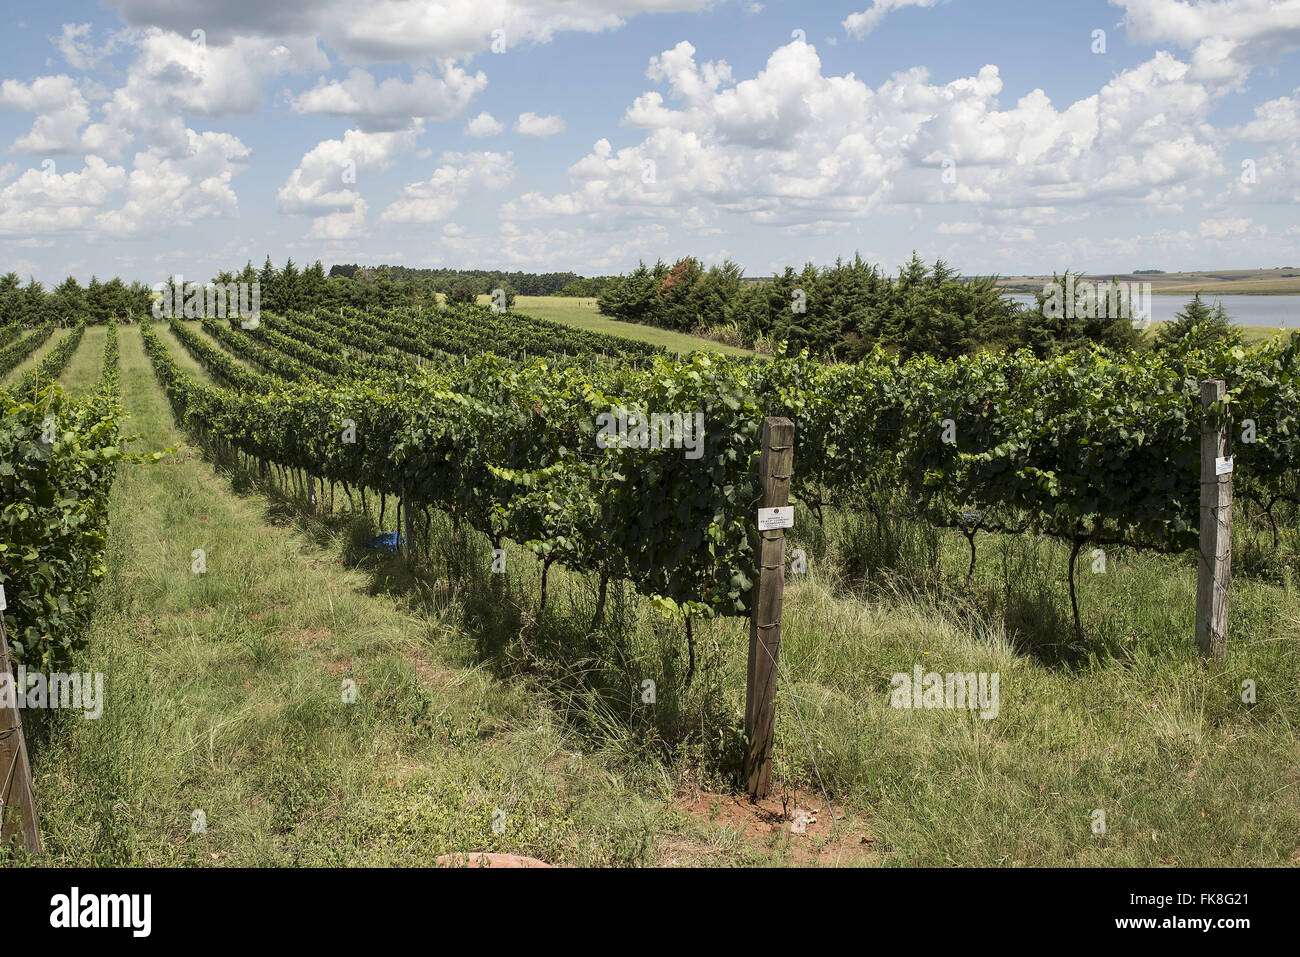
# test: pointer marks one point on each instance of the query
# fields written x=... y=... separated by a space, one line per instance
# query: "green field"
x=582 y=313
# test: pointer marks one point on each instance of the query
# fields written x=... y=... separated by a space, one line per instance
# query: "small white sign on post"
x=3 y=604
x=770 y=519
x=1223 y=466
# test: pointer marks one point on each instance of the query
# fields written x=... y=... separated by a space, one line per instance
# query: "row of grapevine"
x=12 y=355
x=470 y=329
x=1092 y=447
x=58 y=459
x=270 y=360
x=511 y=450
x=325 y=352
x=52 y=363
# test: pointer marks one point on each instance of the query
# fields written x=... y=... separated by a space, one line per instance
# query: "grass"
x=18 y=371
x=1254 y=335
x=582 y=314
x=224 y=695
x=83 y=369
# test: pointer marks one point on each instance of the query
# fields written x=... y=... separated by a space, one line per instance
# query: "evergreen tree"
x=1198 y=326
x=69 y=302
x=11 y=299
x=289 y=292
x=269 y=281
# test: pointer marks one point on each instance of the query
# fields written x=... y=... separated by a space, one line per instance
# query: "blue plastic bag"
x=389 y=542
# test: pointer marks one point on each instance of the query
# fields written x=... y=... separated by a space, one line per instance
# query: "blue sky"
x=987 y=132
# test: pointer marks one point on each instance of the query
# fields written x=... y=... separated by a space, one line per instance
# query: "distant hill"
x=1282 y=281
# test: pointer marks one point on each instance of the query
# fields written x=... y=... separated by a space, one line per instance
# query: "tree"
x=69 y=301
x=11 y=299
x=1198 y=326
x=633 y=298
x=37 y=307
x=676 y=308
x=312 y=286
x=462 y=293
x=289 y=288
x=269 y=281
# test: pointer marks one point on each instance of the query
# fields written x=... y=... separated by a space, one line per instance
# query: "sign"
x=774 y=518
x=1223 y=466
x=3 y=604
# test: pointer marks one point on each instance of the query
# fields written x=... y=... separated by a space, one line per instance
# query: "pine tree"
x=269 y=281
x=1198 y=326
x=69 y=302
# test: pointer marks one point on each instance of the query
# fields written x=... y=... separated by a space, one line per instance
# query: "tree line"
x=479 y=282
x=843 y=311
x=69 y=301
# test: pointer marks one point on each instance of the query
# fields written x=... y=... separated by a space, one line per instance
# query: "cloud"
x=792 y=146
x=393 y=103
x=392 y=30
x=40 y=201
x=1228 y=38
x=485 y=124
x=555 y=247
x=1269 y=173
x=450 y=184
x=530 y=124
x=1222 y=228
x=1276 y=121
x=169 y=189
x=323 y=185
x=60 y=111
x=860 y=24
x=75 y=46
x=174 y=74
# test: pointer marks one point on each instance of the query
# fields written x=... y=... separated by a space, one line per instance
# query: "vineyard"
x=1092 y=448
x=446 y=427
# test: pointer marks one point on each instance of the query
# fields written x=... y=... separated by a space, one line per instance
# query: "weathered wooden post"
x=17 y=795
x=775 y=467
x=1214 y=564
x=409 y=527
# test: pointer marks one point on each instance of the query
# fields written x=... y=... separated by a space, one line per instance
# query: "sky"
x=150 y=138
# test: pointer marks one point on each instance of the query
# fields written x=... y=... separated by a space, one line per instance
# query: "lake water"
x=1244 y=310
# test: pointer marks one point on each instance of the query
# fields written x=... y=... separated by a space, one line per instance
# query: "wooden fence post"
x=1214 y=563
x=775 y=467
x=409 y=527
x=17 y=796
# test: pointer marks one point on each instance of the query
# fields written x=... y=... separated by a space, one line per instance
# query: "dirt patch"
x=430 y=675
x=308 y=637
x=793 y=826
x=487 y=860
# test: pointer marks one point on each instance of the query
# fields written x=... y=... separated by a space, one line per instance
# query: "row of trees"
x=430 y=282
x=842 y=311
x=69 y=301
x=286 y=287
